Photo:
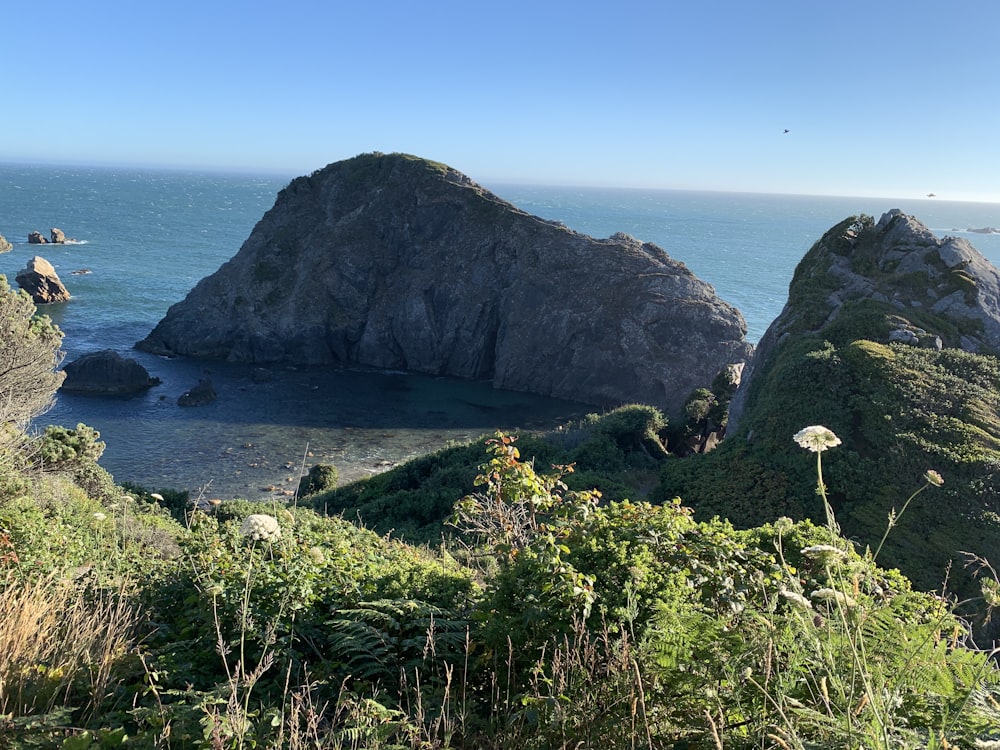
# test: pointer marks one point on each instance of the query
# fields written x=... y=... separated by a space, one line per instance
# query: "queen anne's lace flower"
x=816 y=438
x=796 y=599
x=260 y=527
x=933 y=477
x=824 y=553
x=832 y=596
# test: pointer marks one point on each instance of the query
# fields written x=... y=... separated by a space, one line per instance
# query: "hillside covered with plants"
x=530 y=596
x=866 y=347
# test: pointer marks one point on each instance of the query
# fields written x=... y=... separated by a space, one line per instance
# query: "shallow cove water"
x=147 y=237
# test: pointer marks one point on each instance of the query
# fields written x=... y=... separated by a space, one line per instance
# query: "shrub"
x=29 y=356
x=321 y=477
x=61 y=448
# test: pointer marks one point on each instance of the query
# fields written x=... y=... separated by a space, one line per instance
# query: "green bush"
x=62 y=449
x=321 y=477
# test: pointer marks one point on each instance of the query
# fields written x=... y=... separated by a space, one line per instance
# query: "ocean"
x=145 y=237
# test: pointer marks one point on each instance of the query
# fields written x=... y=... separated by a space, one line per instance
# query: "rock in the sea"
x=201 y=394
x=5 y=245
x=37 y=238
x=39 y=279
x=398 y=262
x=106 y=373
x=57 y=235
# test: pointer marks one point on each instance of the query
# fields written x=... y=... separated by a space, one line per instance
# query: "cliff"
x=398 y=262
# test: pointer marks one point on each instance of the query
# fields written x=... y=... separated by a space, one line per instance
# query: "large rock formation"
x=106 y=373
x=889 y=338
x=5 y=246
x=934 y=292
x=39 y=279
x=398 y=262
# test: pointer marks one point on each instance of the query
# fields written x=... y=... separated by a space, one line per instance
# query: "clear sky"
x=881 y=98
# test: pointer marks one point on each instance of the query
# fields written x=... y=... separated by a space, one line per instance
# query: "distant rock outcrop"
x=106 y=373
x=56 y=237
x=5 y=245
x=39 y=279
x=398 y=262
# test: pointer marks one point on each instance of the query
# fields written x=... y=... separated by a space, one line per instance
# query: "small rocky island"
x=393 y=261
x=39 y=279
x=56 y=237
x=106 y=373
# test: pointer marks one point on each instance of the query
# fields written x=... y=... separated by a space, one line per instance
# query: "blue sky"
x=881 y=98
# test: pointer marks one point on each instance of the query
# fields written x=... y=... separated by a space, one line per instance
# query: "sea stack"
x=392 y=261
x=39 y=279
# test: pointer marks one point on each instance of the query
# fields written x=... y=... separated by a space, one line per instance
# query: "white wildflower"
x=796 y=599
x=260 y=527
x=932 y=477
x=987 y=744
x=156 y=496
x=783 y=525
x=825 y=554
x=816 y=438
x=832 y=596
x=99 y=516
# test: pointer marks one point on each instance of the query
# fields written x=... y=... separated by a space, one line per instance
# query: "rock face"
x=5 y=246
x=898 y=263
x=39 y=279
x=106 y=373
x=37 y=238
x=398 y=262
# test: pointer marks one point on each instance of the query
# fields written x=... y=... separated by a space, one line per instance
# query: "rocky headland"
x=889 y=338
x=392 y=261
x=938 y=292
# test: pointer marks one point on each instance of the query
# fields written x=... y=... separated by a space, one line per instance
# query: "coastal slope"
x=889 y=339
x=393 y=261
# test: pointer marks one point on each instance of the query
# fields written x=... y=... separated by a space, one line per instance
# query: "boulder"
x=106 y=373
x=57 y=235
x=398 y=262
x=39 y=279
x=5 y=245
x=201 y=394
x=37 y=238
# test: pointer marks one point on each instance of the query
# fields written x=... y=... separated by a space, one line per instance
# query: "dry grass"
x=61 y=645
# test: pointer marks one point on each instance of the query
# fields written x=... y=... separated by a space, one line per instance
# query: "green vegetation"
x=535 y=591
x=572 y=622
x=900 y=409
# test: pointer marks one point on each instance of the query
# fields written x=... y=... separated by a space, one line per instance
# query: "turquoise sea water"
x=146 y=237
